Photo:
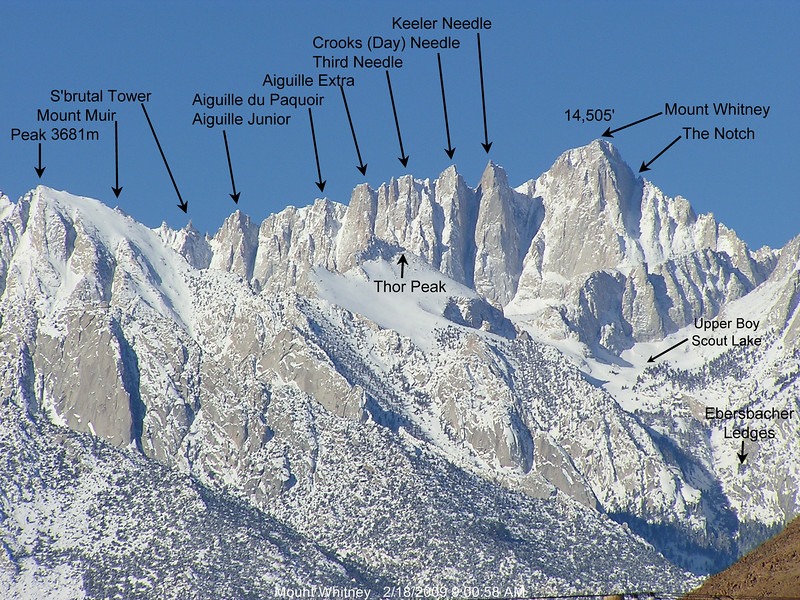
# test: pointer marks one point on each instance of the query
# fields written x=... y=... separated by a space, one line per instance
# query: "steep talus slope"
x=770 y=571
x=264 y=361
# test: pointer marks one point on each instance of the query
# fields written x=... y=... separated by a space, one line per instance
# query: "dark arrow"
x=450 y=150
x=403 y=158
x=183 y=205
x=742 y=455
x=117 y=188
x=319 y=182
x=361 y=166
x=646 y=166
x=40 y=169
x=402 y=262
x=653 y=358
x=487 y=145
x=235 y=195
x=609 y=132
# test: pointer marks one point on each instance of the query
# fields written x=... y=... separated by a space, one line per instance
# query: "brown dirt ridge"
x=770 y=571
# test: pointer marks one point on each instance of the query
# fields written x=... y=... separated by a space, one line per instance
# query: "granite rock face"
x=538 y=251
x=667 y=264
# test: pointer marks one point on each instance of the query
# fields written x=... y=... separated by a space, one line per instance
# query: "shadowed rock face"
x=770 y=571
x=506 y=223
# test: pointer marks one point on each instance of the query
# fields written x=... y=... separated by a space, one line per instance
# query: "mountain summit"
x=439 y=425
x=588 y=250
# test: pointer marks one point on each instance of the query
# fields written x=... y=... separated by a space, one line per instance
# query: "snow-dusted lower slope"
x=82 y=519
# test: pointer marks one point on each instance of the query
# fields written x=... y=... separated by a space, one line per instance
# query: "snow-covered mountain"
x=504 y=429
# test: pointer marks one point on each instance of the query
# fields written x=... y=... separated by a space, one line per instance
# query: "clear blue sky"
x=540 y=58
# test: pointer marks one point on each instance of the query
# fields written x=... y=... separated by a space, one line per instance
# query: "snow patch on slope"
x=114 y=230
x=415 y=315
